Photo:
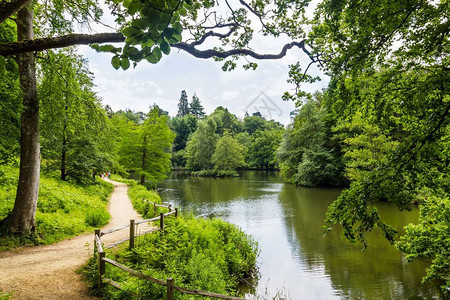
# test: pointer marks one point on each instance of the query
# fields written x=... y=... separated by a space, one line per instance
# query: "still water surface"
x=286 y=221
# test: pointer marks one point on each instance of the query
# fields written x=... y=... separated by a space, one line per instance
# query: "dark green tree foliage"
x=307 y=155
x=201 y=146
x=195 y=107
x=183 y=105
x=71 y=117
x=183 y=128
x=263 y=148
x=254 y=123
x=225 y=121
x=9 y=101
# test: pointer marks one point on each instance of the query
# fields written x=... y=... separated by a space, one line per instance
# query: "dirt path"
x=49 y=272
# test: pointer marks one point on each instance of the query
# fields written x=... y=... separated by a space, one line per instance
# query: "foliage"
x=308 y=155
x=183 y=105
x=225 y=121
x=196 y=108
x=10 y=101
x=71 y=117
x=209 y=255
x=263 y=147
x=64 y=209
x=430 y=240
x=201 y=146
x=138 y=194
x=228 y=155
x=183 y=127
x=145 y=147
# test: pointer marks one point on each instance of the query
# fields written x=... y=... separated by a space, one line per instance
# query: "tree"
x=263 y=148
x=148 y=30
x=308 y=156
x=183 y=128
x=145 y=148
x=196 y=108
x=228 y=155
x=183 y=105
x=71 y=117
x=10 y=101
x=201 y=146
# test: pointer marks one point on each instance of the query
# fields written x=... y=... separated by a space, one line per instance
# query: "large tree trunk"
x=23 y=217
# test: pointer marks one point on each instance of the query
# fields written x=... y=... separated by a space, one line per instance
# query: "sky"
x=239 y=90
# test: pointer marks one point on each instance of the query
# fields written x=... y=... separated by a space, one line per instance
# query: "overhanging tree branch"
x=14 y=48
x=209 y=53
x=9 y=8
x=8 y=49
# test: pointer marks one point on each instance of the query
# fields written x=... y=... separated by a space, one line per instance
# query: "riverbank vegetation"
x=205 y=254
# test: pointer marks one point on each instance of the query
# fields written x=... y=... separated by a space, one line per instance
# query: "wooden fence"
x=102 y=260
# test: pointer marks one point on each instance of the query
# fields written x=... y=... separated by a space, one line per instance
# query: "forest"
x=380 y=129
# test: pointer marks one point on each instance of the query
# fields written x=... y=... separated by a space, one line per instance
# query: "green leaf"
x=174 y=38
x=188 y=2
x=133 y=7
x=155 y=56
x=177 y=26
x=125 y=63
x=182 y=11
x=165 y=48
x=2 y=65
x=130 y=31
x=115 y=61
x=139 y=23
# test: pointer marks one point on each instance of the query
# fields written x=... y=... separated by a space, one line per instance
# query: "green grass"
x=5 y=296
x=64 y=209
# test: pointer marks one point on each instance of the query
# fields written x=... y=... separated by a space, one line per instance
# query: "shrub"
x=97 y=217
x=210 y=255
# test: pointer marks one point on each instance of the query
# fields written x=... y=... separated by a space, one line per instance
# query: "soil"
x=50 y=272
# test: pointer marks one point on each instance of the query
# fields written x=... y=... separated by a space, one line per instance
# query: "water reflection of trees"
x=377 y=273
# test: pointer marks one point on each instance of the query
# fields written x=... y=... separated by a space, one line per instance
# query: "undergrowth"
x=64 y=209
x=210 y=255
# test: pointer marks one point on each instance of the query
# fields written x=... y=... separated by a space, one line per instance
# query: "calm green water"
x=286 y=221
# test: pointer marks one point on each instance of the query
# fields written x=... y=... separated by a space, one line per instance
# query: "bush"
x=97 y=217
x=210 y=255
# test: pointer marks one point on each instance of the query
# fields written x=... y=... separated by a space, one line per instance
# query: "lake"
x=295 y=259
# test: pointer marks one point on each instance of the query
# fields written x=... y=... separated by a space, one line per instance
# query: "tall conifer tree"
x=183 y=104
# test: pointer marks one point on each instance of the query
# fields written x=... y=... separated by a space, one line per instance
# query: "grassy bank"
x=210 y=255
x=64 y=209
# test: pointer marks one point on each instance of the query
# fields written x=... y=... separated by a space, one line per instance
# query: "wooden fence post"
x=161 y=222
x=101 y=268
x=132 y=228
x=170 y=207
x=97 y=232
x=176 y=212
x=169 y=288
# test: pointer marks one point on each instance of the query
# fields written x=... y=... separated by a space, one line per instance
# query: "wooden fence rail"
x=169 y=283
